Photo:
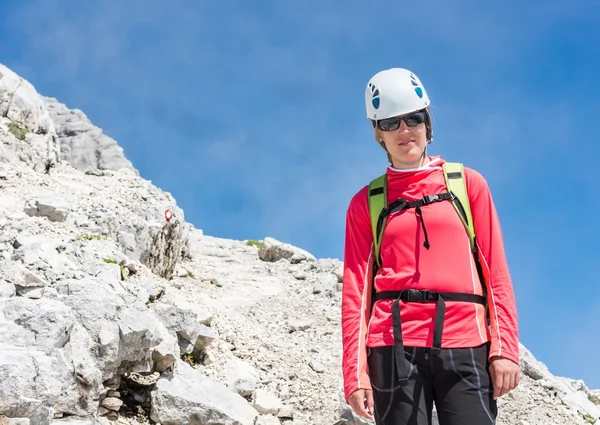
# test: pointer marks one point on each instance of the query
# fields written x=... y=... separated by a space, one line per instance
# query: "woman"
x=396 y=368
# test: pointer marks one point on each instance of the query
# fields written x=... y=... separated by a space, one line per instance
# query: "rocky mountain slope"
x=83 y=145
x=114 y=309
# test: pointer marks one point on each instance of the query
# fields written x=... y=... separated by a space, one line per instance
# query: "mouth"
x=405 y=142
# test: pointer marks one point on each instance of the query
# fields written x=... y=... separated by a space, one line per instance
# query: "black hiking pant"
x=457 y=380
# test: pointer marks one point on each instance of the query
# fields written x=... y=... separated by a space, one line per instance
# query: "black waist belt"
x=424 y=296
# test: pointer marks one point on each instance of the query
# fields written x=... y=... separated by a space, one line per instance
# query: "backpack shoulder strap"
x=454 y=175
x=377 y=202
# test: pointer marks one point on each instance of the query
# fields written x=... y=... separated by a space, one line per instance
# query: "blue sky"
x=252 y=115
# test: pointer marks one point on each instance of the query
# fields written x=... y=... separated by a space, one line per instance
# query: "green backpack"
x=456 y=185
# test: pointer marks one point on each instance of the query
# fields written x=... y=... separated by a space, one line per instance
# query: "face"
x=406 y=142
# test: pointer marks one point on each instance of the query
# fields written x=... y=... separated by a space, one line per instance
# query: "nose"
x=403 y=127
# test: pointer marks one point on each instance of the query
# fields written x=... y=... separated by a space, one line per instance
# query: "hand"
x=505 y=375
x=362 y=403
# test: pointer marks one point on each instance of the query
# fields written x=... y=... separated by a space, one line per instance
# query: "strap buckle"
x=418 y=296
x=429 y=199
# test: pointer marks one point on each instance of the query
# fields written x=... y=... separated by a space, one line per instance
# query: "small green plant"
x=153 y=298
x=168 y=196
x=189 y=358
x=110 y=261
x=589 y=418
x=189 y=273
x=253 y=242
x=19 y=131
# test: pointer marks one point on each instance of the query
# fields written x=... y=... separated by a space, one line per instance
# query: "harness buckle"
x=418 y=296
x=426 y=295
x=429 y=199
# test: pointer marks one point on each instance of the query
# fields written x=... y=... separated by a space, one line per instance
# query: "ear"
x=377 y=134
x=429 y=127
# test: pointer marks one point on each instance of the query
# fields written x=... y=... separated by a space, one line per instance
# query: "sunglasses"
x=412 y=120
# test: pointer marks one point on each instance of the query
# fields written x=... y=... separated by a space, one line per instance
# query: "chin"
x=409 y=159
x=410 y=156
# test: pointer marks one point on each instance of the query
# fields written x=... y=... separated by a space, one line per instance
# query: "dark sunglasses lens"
x=412 y=120
x=415 y=119
x=389 y=124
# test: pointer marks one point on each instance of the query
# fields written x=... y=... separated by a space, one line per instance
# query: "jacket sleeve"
x=356 y=293
x=501 y=300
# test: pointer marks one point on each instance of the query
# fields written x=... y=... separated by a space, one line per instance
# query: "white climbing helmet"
x=394 y=92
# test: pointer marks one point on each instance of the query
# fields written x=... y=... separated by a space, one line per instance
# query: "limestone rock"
x=339 y=273
x=189 y=397
x=266 y=403
x=181 y=323
x=241 y=377
x=268 y=420
x=31 y=285
x=112 y=403
x=206 y=336
x=7 y=289
x=274 y=250
x=20 y=102
x=84 y=145
x=316 y=366
x=299 y=325
x=52 y=208
x=26 y=119
x=14 y=421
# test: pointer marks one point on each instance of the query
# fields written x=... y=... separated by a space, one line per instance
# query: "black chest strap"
x=402 y=204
